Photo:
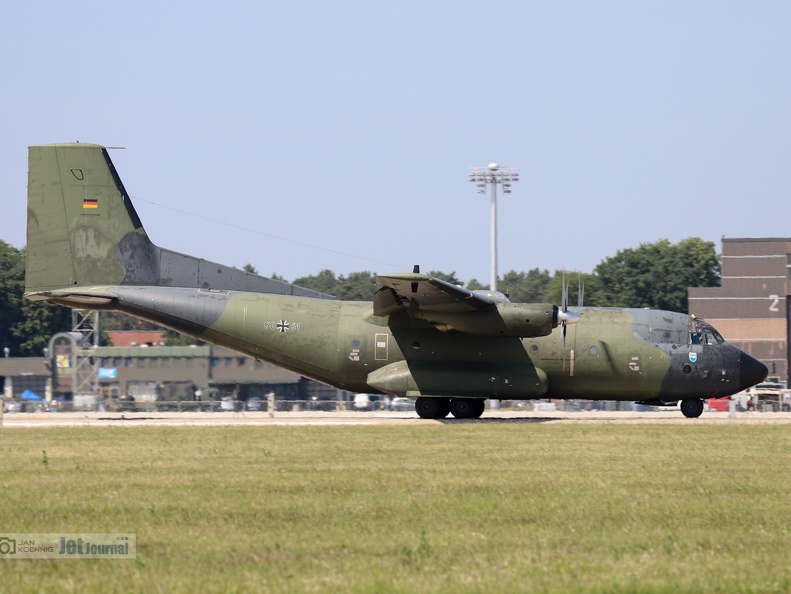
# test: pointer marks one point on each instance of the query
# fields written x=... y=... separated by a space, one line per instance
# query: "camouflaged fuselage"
x=611 y=353
x=88 y=249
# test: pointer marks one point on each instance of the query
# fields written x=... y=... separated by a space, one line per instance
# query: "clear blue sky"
x=352 y=125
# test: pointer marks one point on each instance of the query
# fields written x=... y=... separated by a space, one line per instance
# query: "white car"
x=402 y=403
x=366 y=401
x=12 y=406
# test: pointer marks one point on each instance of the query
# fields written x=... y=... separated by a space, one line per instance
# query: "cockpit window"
x=702 y=333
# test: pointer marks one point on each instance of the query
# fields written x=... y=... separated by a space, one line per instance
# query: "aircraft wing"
x=451 y=308
x=424 y=292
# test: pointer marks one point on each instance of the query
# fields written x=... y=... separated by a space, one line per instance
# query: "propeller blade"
x=562 y=315
x=563 y=342
x=566 y=317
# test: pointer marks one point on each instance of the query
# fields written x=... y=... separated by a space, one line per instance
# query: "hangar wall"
x=751 y=308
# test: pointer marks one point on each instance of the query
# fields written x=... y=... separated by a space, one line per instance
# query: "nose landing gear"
x=692 y=407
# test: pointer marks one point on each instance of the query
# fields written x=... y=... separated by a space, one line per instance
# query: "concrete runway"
x=136 y=419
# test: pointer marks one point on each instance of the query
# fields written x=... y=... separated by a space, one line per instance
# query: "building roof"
x=24 y=366
x=128 y=338
x=755 y=239
x=154 y=351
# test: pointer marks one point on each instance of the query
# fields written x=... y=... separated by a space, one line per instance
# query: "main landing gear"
x=692 y=407
x=438 y=408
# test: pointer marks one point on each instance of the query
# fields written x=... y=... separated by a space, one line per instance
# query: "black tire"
x=480 y=406
x=431 y=408
x=692 y=407
x=465 y=408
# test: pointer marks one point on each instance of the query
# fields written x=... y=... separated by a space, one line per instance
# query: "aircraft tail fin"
x=83 y=231
x=78 y=214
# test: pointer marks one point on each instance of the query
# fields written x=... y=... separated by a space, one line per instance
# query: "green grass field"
x=460 y=507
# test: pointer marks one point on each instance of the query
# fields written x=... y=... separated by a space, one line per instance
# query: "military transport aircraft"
x=421 y=337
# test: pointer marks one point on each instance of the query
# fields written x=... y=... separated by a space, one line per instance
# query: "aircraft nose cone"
x=751 y=371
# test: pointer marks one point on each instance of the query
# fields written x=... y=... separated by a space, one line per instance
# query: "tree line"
x=655 y=275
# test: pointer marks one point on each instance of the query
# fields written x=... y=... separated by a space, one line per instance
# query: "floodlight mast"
x=491 y=176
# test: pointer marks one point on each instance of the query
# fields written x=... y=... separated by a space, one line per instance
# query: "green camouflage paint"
x=420 y=337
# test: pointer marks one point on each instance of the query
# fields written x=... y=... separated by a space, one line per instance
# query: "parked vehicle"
x=322 y=403
x=366 y=402
x=770 y=395
x=402 y=403
x=12 y=406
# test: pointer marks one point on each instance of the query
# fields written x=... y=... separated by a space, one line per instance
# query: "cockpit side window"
x=702 y=333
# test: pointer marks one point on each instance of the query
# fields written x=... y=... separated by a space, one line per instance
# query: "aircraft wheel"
x=480 y=406
x=466 y=408
x=692 y=407
x=431 y=408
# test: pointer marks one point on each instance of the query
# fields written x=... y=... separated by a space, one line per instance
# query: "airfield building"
x=751 y=308
x=145 y=373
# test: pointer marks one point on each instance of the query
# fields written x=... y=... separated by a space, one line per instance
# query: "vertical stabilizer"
x=78 y=213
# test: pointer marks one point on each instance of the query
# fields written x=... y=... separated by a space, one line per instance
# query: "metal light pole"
x=491 y=176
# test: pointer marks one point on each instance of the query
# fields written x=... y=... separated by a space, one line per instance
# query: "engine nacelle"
x=521 y=320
